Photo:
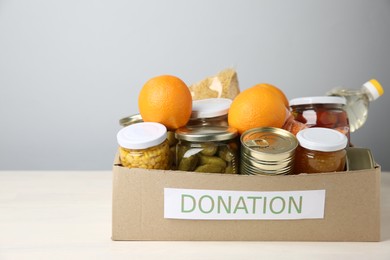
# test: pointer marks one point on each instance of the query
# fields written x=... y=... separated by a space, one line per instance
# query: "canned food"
x=133 y=119
x=267 y=151
x=144 y=145
x=320 y=150
x=210 y=149
x=210 y=111
x=321 y=111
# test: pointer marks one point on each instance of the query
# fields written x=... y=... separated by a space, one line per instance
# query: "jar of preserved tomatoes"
x=320 y=150
x=321 y=111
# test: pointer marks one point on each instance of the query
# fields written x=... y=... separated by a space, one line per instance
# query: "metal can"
x=210 y=111
x=267 y=151
x=133 y=119
x=212 y=149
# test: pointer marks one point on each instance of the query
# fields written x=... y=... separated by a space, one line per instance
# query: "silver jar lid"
x=206 y=133
x=133 y=119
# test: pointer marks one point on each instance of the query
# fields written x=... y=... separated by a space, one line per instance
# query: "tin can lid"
x=269 y=140
x=133 y=119
x=317 y=100
x=142 y=135
x=210 y=107
x=205 y=133
x=322 y=139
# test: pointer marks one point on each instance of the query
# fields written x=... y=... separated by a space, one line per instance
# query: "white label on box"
x=228 y=205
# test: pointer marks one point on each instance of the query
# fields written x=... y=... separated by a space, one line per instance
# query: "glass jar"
x=144 y=145
x=320 y=150
x=321 y=111
x=133 y=119
x=210 y=111
x=212 y=149
x=137 y=118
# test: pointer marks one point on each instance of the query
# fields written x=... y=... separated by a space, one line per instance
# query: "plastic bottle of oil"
x=358 y=101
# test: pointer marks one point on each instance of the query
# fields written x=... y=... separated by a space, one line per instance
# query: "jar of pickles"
x=144 y=145
x=320 y=150
x=321 y=111
x=210 y=111
x=212 y=149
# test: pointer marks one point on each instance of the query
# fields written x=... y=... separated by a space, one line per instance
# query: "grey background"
x=69 y=70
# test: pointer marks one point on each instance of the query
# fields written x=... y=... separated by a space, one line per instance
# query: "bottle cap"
x=322 y=139
x=374 y=88
x=317 y=100
x=210 y=107
x=142 y=135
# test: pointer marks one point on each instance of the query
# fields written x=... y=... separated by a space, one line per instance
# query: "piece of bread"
x=222 y=85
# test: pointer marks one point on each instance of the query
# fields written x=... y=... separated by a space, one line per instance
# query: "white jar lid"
x=317 y=100
x=142 y=135
x=210 y=107
x=322 y=139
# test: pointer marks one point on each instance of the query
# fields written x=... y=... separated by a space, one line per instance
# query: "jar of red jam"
x=320 y=150
x=321 y=111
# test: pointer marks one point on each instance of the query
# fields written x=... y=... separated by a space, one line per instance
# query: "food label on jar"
x=228 y=205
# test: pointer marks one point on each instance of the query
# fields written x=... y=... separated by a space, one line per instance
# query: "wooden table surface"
x=67 y=215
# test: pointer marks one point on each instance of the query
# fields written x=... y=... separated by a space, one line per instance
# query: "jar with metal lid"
x=320 y=150
x=210 y=111
x=267 y=151
x=144 y=145
x=211 y=149
x=129 y=120
x=321 y=111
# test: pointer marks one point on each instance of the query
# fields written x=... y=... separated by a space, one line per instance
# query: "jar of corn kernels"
x=144 y=145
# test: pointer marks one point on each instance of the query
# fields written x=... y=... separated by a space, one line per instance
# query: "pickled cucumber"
x=212 y=168
x=188 y=163
x=209 y=149
x=230 y=169
x=181 y=150
x=212 y=160
x=225 y=154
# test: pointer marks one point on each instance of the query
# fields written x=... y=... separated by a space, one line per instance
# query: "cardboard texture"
x=352 y=206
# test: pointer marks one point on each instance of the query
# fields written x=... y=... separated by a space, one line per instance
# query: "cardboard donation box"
x=177 y=205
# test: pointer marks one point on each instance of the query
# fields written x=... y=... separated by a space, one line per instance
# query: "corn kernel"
x=156 y=157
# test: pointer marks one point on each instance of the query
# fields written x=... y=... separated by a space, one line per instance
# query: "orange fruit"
x=167 y=100
x=276 y=91
x=257 y=107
